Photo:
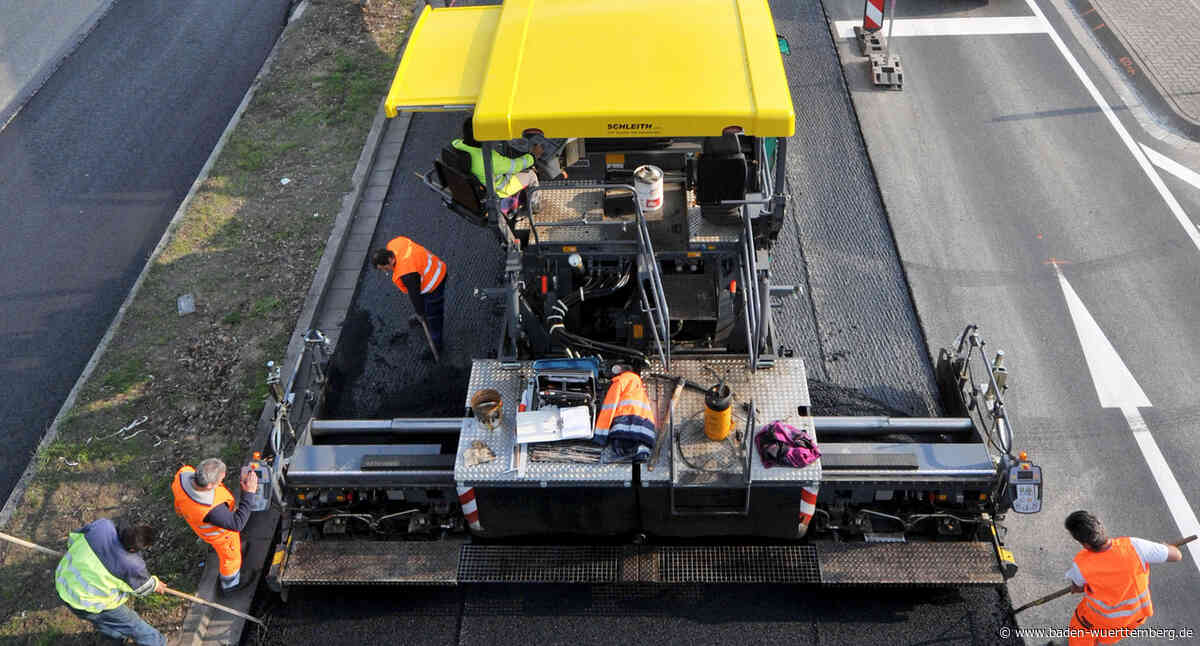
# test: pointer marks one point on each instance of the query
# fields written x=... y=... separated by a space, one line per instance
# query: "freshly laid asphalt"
x=95 y=166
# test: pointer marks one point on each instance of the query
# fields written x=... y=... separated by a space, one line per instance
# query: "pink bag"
x=784 y=445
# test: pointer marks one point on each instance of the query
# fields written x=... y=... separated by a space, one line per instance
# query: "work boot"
x=246 y=580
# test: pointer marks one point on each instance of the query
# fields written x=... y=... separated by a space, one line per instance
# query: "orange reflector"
x=614 y=160
x=570 y=249
x=341 y=498
x=637 y=330
x=941 y=497
x=693 y=254
x=301 y=496
x=733 y=287
x=1022 y=456
x=983 y=496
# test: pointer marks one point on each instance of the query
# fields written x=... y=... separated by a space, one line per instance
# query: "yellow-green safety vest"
x=83 y=582
x=504 y=169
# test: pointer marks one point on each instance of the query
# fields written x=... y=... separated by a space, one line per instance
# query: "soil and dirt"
x=174 y=389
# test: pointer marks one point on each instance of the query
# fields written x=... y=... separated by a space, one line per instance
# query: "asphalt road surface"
x=1021 y=168
x=95 y=166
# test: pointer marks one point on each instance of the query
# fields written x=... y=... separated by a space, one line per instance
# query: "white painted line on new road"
x=906 y=27
x=1115 y=385
x=1116 y=388
x=1171 y=166
x=1188 y=226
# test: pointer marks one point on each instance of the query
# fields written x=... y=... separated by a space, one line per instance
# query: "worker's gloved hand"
x=161 y=587
x=250 y=482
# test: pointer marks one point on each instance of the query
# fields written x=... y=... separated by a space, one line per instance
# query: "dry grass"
x=247 y=249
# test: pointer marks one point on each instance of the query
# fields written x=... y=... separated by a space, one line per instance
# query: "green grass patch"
x=264 y=305
x=129 y=373
x=248 y=154
x=349 y=89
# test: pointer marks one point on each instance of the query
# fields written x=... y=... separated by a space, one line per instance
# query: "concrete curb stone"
x=1142 y=57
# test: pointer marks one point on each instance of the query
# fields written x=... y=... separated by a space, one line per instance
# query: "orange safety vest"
x=193 y=506
x=1117 y=589
x=626 y=412
x=413 y=258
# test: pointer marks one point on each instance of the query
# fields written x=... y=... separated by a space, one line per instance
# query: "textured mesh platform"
x=956 y=563
x=375 y=562
x=639 y=564
x=452 y=562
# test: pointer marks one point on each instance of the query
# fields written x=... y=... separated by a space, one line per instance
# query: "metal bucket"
x=486 y=405
x=648 y=183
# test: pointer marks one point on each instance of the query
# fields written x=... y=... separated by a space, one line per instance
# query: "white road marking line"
x=1116 y=388
x=1115 y=385
x=1188 y=226
x=1181 y=511
x=1171 y=166
x=951 y=26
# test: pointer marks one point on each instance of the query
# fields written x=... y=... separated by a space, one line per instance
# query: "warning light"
x=1022 y=456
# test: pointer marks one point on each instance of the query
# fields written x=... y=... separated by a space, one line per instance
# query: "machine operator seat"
x=469 y=197
x=721 y=174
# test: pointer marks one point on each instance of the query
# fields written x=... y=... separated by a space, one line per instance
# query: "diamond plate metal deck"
x=777 y=393
x=352 y=562
x=701 y=231
x=559 y=206
x=954 y=563
x=488 y=373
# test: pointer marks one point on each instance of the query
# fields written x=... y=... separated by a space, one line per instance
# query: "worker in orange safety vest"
x=420 y=274
x=626 y=419
x=1114 y=576
x=209 y=509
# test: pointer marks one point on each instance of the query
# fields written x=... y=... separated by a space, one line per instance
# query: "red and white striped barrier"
x=808 y=505
x=466 y=498
x=872 y=15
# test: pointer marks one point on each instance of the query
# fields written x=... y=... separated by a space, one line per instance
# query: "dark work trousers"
x=435 y=307
x=121 y=622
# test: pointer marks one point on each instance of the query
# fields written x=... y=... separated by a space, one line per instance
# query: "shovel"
x=1067 y=590
x=181 y=595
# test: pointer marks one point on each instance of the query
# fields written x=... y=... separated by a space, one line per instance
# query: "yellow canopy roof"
x=600 y=68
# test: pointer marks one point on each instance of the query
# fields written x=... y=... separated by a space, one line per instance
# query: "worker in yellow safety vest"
x=1114 y=576
x=511 y=175
x=420 y=274
x=100 y=571
x=208 y=508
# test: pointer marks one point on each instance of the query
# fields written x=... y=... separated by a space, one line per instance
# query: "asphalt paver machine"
x=653 y=253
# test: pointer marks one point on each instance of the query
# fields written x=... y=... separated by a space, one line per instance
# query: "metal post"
x=887 y=44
